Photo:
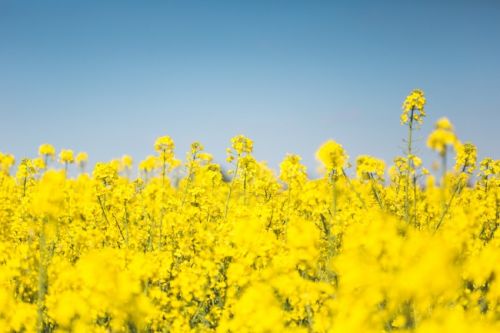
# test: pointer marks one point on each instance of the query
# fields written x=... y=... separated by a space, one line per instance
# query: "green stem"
x=334 y=194
x=443 y=166
x=164 y=169
x=375 y=191
x=415 y=199
x=409 y=166
x=443 y=182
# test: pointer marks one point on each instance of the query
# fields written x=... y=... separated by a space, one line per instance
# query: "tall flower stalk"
x=413 y=115
x=333 y=157
x=440 y=140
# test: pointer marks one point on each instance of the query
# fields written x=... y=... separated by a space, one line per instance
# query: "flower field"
x=368 y=247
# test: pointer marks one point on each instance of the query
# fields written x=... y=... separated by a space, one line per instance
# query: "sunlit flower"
x=413 y=107
x=66 y=156
x=332 y=155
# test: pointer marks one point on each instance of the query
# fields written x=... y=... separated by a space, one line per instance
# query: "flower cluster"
x=333 y=156
x=442 y=137
x=413 y=107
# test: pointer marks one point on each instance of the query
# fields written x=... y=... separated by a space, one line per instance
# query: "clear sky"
x=108 y=77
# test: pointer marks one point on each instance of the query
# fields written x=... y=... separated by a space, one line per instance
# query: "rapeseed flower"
x=413 y=107
x=332 y=155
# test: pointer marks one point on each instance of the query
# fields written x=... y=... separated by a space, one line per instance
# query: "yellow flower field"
x=391 y=248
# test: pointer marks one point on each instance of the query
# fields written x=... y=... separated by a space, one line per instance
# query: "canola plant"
x=388 y=249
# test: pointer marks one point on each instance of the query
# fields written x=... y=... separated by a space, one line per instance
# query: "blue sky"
x=108 y=77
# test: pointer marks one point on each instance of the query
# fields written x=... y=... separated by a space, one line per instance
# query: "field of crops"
x=391 y=248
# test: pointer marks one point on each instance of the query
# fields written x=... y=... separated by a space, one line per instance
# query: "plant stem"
x=375 y=191
x=334 y=194
x=409 y=166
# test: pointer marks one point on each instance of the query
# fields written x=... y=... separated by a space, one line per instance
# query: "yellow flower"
x=241 y=145
x=413 y=107
x=66 y=156
x=442 y=137
x=369 y=167
x=196 y=147
x=127 y=161
x=6 y=162
x=47 y=150
x=148 y=164
x=444 y=124
x=466 y=158
x=82 y=158
x=164 y=144
x=106 y=172
x=489 y=167
x=39 y=163
x=292 y=171
x=332 y=156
